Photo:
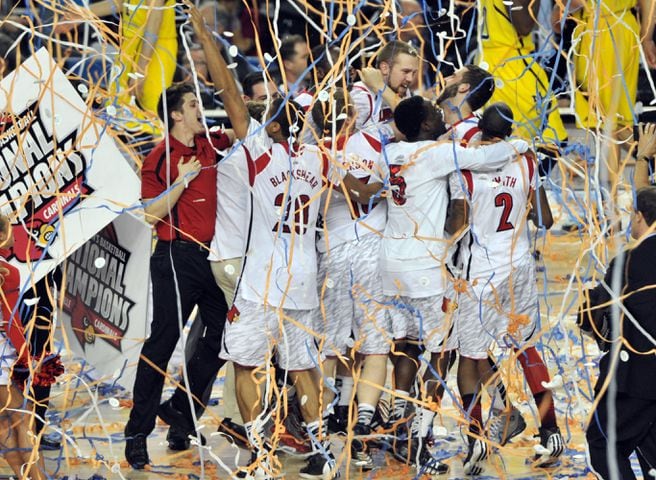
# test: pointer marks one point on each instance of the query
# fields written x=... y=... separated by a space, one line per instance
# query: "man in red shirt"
x=179 y=197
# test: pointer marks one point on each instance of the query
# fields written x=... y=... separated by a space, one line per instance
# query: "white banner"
x=62 y=177
x=106 y=298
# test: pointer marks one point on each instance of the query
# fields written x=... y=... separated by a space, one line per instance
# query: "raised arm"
x=221 y=76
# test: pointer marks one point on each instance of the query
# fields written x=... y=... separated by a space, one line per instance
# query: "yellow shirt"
x=497 y=29
x=606 y=7
x=135 y=16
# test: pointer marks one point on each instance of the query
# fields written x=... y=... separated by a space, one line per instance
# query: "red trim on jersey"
x=530 y=161
x=252 y=171
x=471 y=115
x=469 y=180
x=325 y=166
x=371 y=102
x=341 y=141
x=374 y=142
x=469 y=135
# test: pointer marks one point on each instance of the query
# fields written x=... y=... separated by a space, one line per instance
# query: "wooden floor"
x=94 y=425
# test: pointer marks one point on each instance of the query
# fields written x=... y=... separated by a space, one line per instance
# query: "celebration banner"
x=106 y=297
x=62 y=176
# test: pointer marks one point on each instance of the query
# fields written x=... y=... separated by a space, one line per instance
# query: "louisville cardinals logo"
x=95 y=290
x=42 y=178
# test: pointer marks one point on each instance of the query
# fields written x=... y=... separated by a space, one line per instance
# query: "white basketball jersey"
x=232 y=206
x=347 y=220
x=372 y=110
x=280 y=267
x=416 y=209
x=498 y=217
x=465 y=130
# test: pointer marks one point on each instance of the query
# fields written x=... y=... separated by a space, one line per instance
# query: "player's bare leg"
x=371 y=379
x=469 y=384
x=322 y=463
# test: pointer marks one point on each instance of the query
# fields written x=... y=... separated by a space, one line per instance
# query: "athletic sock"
x=345 y=391
x=317 y=434
x=497 y=390
x=255 y=434
x=400 y=402
x=365 y=413
x=423 y=422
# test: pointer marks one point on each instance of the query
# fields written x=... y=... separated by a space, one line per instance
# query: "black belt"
x=200 y=246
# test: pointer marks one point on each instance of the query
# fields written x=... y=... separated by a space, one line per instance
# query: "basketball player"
x=276 y=294
x=465 y=92
x=350 y=288
x=397 y=65
x=414 y=250
x=500 y=303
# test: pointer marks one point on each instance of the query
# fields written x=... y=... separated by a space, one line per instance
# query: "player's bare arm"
x=359 y=191
x=457 y=218
x=373 y=78
x=157 y=209
x=221 y=76
x=540 y=213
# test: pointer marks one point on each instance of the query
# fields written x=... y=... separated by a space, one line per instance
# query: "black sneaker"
x=174 y=417
x=136 y=451
x=551 y=447
x=476 y=455
x=338 y=421
x=180 y=441
x=49 y=443
x=320 y=466
x=408 y=451
x=360 y=457
x=235 y=431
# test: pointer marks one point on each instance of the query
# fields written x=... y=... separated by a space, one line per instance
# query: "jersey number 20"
x=301 y=213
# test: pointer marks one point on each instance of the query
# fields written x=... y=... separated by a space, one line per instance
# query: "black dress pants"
x=635 y=431
x=182 y=278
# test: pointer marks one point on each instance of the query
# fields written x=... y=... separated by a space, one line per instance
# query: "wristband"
x=185 y=181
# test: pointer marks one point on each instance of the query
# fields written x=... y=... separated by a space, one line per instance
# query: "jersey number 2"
x=504 y=200
x=301 y=213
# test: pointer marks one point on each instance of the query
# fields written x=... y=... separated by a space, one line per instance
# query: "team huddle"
x=396 y=231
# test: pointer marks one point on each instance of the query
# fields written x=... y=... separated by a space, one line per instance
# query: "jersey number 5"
x=398 y=184
x=301 y=213
x=505 y=201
